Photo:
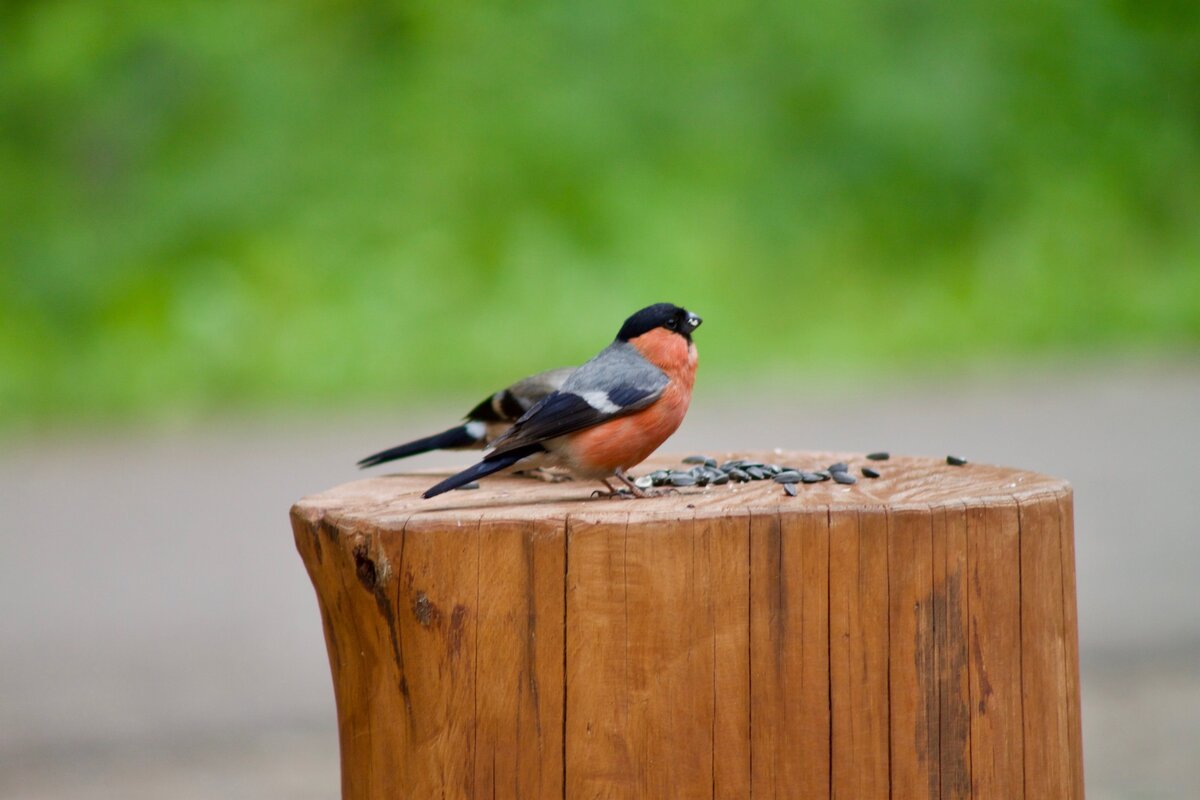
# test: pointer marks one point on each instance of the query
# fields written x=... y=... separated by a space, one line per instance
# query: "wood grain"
x=951 y=621
x=914 y=723
x=994 y=662
x=859 y=650
x=519 y=664
x=1043 y=653
x=727 y=541
x=1066 y=527
x=913 y=636
x=789 y=636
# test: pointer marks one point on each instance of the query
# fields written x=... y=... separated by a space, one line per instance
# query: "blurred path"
x=160 y=638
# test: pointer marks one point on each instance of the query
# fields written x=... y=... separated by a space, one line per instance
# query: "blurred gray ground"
x=159 y=637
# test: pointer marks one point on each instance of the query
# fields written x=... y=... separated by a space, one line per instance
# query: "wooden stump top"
x=394 y=501
x=909 y=636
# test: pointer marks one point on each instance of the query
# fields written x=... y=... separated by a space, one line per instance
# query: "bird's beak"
x=693 y=322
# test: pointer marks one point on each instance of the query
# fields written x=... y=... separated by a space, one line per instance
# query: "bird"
x=484 y=422
x=611 y=413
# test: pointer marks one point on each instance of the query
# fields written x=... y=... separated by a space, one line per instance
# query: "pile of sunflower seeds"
x=707 y=471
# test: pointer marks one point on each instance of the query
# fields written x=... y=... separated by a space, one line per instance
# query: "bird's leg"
x=633 y=487
x=611 y=494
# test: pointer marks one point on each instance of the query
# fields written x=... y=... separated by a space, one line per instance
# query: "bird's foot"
x=613 y=494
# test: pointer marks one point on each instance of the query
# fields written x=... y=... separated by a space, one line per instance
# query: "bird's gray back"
x=618 y=364
x=529 y=390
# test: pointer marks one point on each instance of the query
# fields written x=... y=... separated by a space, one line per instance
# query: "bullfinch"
x=611 y=413
x=483 y=423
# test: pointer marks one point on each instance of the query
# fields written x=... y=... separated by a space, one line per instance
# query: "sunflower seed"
x=748 y=464
x=757 y=473
x=840 y=466
x=870 y=473
x=790 y=476
x=823 y=474
x=882 y=455
x=705 y=460
x=844 y=477
x=956 y=461
x=682 y=479
x=731 y=464
x=812 y=477
x=738 y=475
x=790 y=488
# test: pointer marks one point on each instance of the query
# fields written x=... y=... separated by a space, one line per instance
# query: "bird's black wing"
x=565 y=412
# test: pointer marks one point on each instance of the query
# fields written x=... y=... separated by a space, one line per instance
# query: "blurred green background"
x=211 y=206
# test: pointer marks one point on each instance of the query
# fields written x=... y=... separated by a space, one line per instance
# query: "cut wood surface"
x=908 y=636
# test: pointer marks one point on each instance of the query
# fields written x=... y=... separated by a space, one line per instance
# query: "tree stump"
x=911 y=636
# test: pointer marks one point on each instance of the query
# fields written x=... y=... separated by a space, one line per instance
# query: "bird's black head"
x=660 y=315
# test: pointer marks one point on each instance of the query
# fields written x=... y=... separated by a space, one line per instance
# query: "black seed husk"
x=956 y=461
x=870 y=473
x=882 y=455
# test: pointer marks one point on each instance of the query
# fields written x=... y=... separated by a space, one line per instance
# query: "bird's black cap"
x=659 y=315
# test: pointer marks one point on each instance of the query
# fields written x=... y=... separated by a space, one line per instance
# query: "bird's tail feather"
x=457 y=437
x=490 y=464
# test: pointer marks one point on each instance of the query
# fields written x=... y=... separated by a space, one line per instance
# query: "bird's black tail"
x=457 y=437
x=490 y=464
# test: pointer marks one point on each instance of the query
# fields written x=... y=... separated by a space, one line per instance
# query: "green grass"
x=216 y=205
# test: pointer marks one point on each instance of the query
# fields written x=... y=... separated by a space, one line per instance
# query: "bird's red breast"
x=626 y=441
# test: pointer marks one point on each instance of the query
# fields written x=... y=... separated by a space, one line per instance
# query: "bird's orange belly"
x=625 y=442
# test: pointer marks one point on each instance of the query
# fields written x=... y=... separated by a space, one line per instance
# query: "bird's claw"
x=622 y=494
